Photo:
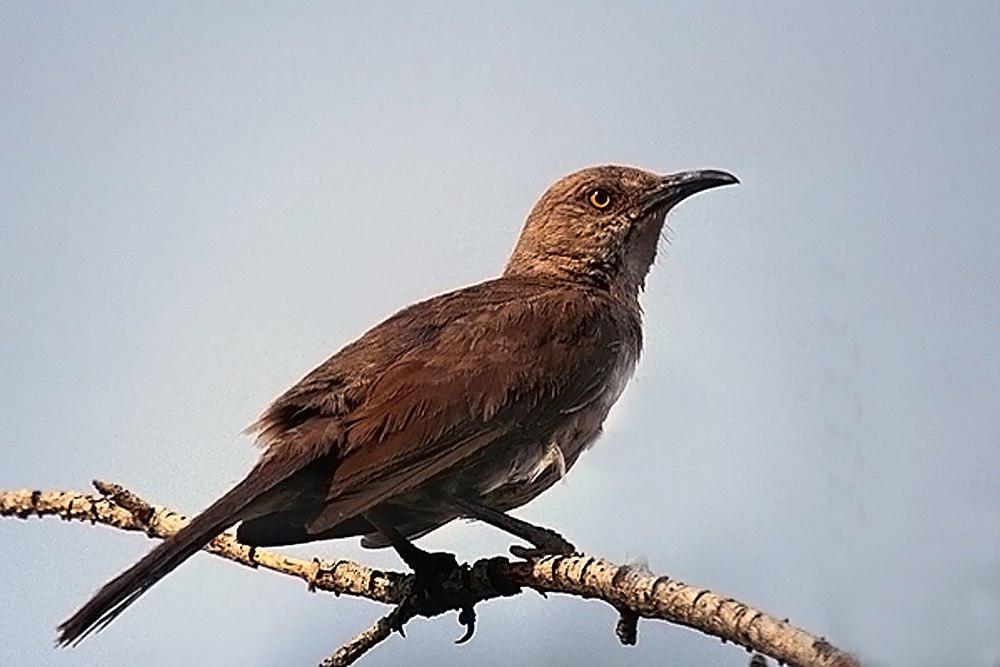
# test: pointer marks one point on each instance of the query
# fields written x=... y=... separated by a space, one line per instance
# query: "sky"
x=200 y=202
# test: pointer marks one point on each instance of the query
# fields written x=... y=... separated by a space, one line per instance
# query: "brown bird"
x=468 y=404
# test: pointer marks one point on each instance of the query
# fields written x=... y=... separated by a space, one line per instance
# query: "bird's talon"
x=467 y=617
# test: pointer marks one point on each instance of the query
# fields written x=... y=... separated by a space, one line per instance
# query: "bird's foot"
x=431 y=568
x=536 y=553
x=432 y=572
x=545 y=542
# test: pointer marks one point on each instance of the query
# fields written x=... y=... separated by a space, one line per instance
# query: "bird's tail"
x=115 y=596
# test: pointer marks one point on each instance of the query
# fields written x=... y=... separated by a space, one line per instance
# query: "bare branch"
x=633 y=592
x=340 y=577
x=371 y=637
x=660 y=597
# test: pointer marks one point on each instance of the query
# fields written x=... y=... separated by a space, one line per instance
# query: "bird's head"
x=601 y=225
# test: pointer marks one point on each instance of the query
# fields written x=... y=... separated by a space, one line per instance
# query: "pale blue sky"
x=201 y=203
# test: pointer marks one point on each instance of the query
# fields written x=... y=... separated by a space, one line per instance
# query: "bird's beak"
x=676 y=187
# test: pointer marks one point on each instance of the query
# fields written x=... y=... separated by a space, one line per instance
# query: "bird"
x=466 y=405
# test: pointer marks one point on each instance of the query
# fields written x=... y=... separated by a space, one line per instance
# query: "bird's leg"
x=427 y=566
x=546 y=542
x=430 y=570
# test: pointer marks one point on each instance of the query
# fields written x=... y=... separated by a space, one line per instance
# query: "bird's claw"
x=555 y=547
x=467 y=617
x=430 y=573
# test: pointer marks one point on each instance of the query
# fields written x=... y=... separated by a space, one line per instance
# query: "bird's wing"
x=494 y=366
x=338 y=386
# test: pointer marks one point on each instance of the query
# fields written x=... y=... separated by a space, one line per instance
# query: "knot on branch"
x=140 y=510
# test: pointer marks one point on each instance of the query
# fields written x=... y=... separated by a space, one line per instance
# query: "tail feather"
x=115 y=596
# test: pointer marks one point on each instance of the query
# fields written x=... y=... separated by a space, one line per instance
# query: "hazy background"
x=201 y=203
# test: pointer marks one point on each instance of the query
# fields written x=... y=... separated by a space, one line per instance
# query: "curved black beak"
x=676 y=187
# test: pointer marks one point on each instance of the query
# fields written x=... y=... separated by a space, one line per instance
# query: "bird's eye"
x=599 y=198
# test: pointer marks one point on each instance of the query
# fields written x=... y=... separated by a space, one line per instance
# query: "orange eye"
x=599 y=198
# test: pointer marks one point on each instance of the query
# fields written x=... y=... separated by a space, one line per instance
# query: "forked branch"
x=635 y=593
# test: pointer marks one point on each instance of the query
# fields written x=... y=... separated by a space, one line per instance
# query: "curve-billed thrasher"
x=468 y=404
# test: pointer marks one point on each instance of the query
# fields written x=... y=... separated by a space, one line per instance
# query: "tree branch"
x=368 y=639
x=635 y=593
